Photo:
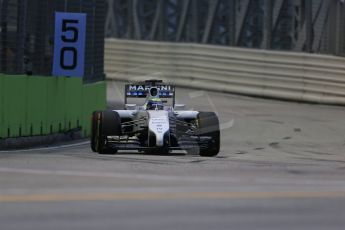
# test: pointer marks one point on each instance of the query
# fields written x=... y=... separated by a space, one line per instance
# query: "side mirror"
x=180 y=107
x=130 y=106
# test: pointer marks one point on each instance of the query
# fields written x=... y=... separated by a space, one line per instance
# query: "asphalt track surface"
x=281 y=166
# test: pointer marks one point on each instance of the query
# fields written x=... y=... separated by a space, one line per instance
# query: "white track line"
x=46 y=148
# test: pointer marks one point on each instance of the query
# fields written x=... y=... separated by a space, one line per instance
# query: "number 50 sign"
x=69 y=44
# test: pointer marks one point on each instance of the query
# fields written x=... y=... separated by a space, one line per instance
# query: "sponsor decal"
x=146 y=87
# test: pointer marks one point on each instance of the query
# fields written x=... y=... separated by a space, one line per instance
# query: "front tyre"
x=208 y=129
x=108 y=124
x=95 y=119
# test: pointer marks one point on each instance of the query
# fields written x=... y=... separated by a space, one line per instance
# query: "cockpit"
x=156 y=104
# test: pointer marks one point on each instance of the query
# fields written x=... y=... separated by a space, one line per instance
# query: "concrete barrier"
x=281 y=75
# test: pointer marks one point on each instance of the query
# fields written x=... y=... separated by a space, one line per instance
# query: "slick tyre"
x=95 y=119
x=109 y=124
x=208 y=126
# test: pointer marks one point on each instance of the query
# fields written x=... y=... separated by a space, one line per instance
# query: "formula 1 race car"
x=157 y=126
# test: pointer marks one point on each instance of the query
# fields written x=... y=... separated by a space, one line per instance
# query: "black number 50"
x=67 y=26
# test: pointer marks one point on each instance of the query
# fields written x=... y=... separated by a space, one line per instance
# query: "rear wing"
x=138 y=93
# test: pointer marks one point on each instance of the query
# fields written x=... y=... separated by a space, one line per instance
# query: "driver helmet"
x=155 y=104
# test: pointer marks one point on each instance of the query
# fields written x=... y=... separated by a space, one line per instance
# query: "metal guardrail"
x=281 y=75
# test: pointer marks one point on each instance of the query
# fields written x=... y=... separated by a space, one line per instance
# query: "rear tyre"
x=208 y=126
x=109 y=124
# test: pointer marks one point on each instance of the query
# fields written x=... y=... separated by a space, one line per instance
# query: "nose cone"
x=159 y=125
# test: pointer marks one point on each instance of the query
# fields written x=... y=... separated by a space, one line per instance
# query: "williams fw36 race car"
x=152 y=123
